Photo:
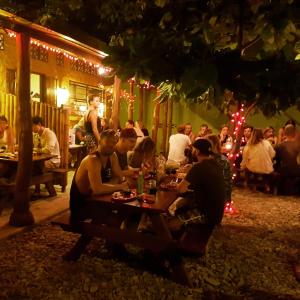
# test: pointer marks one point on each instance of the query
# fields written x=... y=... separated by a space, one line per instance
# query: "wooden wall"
x=57 y=119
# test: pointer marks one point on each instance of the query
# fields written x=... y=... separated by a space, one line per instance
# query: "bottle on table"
x=39 y=147
x=161 y=162
x=140 y=183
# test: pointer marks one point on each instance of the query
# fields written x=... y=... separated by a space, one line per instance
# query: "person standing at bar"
x=92 y=123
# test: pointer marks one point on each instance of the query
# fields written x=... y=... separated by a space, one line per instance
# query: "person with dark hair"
x=203 y=131
x=92 y=123
x=140 y=125
x=258 y=154
x=225 y=139
x=127 y=142
x=98 y=173
x=6 y=135
x=286 y=154
x=247 y=132
x=269 y=135
x=47 y=139
x=206 y=181
x=189 y=132
x=143 y=154
x=223 y=163
x=281 y=133
x=178 y=143
x=129 y=124
x=104 y=124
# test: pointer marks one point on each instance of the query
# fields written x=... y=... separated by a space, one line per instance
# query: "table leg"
x=160 y=226
x=75 y=253
x=178 y=271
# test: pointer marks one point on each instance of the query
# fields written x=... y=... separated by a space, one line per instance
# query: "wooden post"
x=170 y=119
x=21 y=214
x=116 y=103
x=131 y=100
x=155 y=121
x=142 y=91
x=164 y=128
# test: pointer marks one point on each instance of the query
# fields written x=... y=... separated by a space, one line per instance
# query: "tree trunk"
x=21 y=214
x=115 y=115
x=131 y=101
x=165 y=128
x=169 y=123
x=155 y=121
x=142 y=92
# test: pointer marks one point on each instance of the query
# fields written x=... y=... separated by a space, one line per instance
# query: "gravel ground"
x=249 y=257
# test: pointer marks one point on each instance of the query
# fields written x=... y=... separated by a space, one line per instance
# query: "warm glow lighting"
x=62 y=96
x=82 y=108
x=101 y=110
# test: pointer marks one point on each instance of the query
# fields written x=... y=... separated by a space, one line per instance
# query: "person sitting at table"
x=189 y=132
x=92 y=123
x=48 y=140
x=6 y=135
x=126 y=143
x=224 y=164
x=281 y=133
x=225 y=139
x=98 y=173
x=143 y=154
x=178 y=143
x=257 y=157
x=206 y=180
x=203 y=131
x=286 y=155
x=80 y=136
x=269 y=135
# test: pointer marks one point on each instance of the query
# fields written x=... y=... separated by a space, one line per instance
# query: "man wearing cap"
x=206 y=180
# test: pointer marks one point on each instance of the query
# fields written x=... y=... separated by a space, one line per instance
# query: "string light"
x=101 y=69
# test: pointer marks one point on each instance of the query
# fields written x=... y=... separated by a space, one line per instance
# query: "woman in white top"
x=258 y=154
x=6 y=135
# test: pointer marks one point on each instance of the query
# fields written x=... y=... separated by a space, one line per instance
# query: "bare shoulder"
x=91 y=160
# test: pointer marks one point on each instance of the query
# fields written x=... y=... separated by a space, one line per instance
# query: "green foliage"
x=192 y=46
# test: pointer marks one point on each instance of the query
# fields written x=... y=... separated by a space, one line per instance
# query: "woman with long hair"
x=92 y=123
x=258 y=154
x=143 y=154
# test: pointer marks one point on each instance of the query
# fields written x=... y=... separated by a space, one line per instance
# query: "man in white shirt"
x=48 y=140
x=178 y=143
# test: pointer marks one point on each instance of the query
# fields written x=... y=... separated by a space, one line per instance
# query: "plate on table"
x=123 y=196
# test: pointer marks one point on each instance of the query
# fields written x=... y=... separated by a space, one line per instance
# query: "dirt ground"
x=249 y=257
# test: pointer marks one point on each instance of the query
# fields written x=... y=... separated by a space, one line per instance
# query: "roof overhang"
x=18 y=24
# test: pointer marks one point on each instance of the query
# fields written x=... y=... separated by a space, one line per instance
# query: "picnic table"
x=160 y=242
x=40 y=174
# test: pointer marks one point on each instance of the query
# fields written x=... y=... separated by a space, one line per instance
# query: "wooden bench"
x=60 y=177
x=45 y=178
x=193 y=242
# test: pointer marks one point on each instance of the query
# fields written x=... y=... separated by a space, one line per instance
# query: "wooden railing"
x=57 y=119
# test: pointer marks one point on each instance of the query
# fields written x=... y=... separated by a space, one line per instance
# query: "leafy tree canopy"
x=191 y=47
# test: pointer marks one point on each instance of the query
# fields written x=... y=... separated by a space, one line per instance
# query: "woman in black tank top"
x=92 y=137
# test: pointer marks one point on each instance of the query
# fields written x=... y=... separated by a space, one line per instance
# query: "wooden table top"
x=76 y=146
x=9 y=157
x=163 y=200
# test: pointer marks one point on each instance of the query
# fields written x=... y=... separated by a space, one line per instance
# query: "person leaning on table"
x=48 y=140
x=98 y=173
x=205 y=204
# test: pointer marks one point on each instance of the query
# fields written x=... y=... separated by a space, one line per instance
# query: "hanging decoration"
x=237 y=120
x=70 y=56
